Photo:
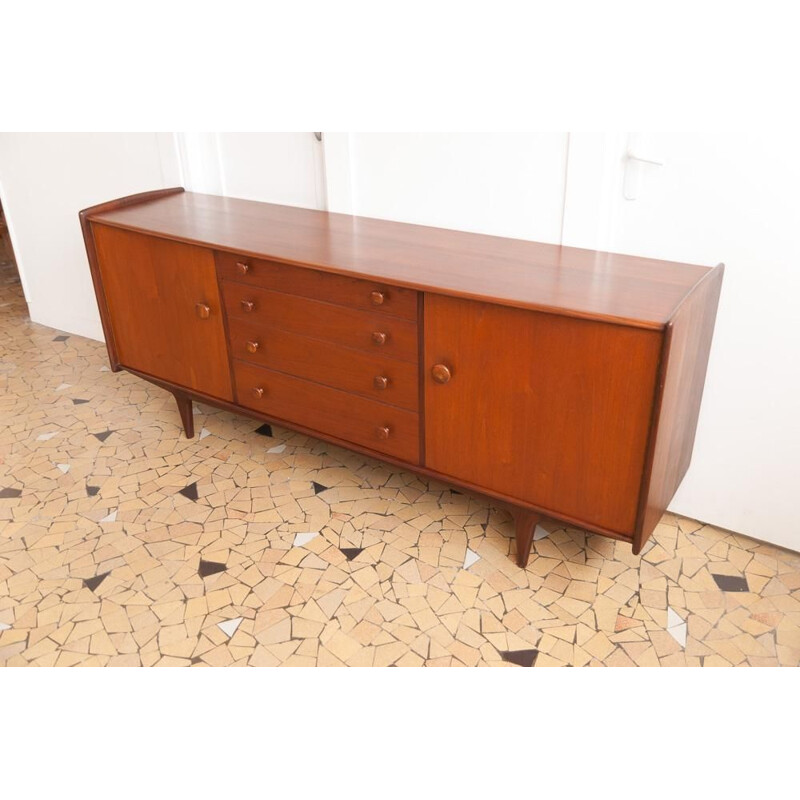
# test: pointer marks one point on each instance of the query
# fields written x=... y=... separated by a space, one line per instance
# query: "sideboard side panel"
x=552 y=410
x=680 y=391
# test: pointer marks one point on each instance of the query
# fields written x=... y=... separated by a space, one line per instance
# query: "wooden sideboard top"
x=567 y=280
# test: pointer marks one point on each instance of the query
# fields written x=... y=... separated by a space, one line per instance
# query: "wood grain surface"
x=584 y=283
x=551 y=410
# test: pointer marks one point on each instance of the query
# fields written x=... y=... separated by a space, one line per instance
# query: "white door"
x=286 y=168
x=729 y=198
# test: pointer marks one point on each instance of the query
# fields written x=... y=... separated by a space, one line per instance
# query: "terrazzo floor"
x=122 y=543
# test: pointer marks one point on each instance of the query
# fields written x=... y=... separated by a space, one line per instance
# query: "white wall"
x=282 y=168
x=730 y=198
x=45 y=180
x=501 y=184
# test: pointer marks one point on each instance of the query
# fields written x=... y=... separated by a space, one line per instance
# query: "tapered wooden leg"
x=185 y=409
x=526 y=522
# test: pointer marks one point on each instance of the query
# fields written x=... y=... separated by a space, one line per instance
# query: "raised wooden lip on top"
x=586 y=284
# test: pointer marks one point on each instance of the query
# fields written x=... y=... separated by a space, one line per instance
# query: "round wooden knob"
x=380 y=381
x=441 y=373
x=248 y=305
x=252 y=347
x=258 y=392
x=378 y=337
x=384 y=432
x=377 y=298
x=242 y=268
x=202 y=310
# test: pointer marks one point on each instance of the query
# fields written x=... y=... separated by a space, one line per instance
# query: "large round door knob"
x=384 y=432
x=377 y=298
x=380 y=382
x=441 y=373
x=252 y=347
x=258 y=392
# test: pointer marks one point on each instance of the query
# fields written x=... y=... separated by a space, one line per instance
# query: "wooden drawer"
x=330 y=411
x=368 y=374
x=362 y=330
x=340 y=289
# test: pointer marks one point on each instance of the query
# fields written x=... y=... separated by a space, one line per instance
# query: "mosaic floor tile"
x=522 y=658
x=93 y=583
x=207 y=568
x=230 y=626
x=540 y=533
x=190 y=491
x=290 y=551
x=731 y=583
x=470 y=558
x=676 y=627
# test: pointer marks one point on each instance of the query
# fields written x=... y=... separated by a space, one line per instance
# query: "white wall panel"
x=729 y=198
x=45 y=180
x=272 y=167
x=495 y=183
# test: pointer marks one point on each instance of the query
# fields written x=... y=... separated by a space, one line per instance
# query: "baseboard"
x=89 y=328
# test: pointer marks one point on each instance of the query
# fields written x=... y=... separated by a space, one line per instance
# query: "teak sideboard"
x=562 y=381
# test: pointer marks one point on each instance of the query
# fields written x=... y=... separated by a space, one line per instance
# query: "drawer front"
x=362 y=330
x=356 y=292
x=379 y=427
x=368 y=374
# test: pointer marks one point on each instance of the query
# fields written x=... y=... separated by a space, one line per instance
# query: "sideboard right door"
x=547 y=409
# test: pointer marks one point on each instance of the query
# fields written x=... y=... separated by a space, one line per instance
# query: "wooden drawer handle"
x=378 y=337
x=384 y=432
x=380 y=381
x=202 y=310
x=248 y=305
x=242 y=268
x=441 y=373
x=377 y=298
x=252 y=347
x=258 y=392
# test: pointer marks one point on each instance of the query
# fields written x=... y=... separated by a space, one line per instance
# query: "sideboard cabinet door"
x=547 y=409
x=165 y=311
